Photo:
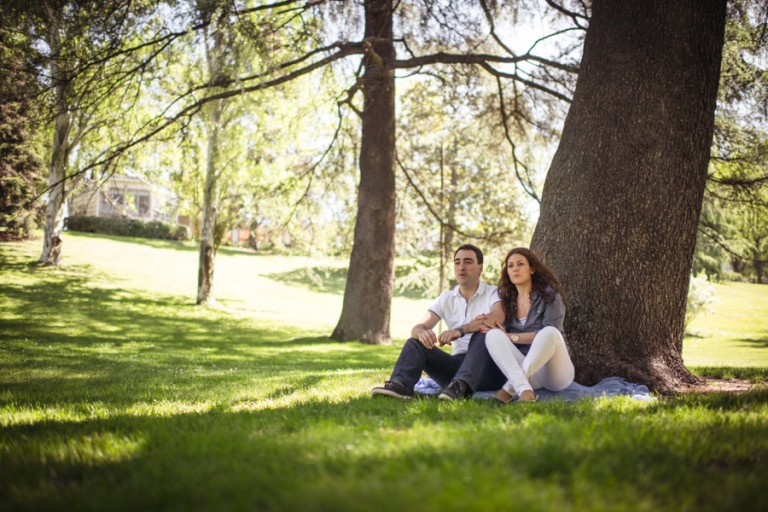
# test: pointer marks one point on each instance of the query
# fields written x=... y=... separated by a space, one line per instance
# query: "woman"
x=529 y=347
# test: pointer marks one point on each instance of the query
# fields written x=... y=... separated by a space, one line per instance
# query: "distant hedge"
x=125 y=226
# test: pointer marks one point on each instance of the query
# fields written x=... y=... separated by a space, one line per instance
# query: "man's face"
x=466 y=268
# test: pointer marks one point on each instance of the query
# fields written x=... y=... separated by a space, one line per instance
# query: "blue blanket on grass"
x=612 y=386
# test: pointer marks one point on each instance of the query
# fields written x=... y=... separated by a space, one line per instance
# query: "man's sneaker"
x=456 y=390
x=393 y=389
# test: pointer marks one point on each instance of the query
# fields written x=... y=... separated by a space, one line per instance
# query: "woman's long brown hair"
x=545 y=282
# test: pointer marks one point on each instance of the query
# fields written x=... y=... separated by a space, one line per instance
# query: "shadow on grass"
x=364 y=454
x=318 y=279
x=65 y=340
x=754 y=374
x=334 y=280
x=759 y=342
x=261 y=441
x=176 y=245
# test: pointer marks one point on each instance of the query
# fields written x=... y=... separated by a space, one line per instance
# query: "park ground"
x=117 y=392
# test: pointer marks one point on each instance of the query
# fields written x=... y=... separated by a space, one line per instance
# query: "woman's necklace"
x=523 y=306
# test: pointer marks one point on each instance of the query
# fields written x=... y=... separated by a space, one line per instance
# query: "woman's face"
x=519 y=270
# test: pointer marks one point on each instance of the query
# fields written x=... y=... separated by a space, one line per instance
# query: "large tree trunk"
x=368 y=293
x=623 y=195
x=54 y=211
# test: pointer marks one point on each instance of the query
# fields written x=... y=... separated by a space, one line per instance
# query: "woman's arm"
x=526 y=338
x=492 y=320
x=554 y=316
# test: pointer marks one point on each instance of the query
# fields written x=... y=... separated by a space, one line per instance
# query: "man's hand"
x=428 y=338
x=447 y=336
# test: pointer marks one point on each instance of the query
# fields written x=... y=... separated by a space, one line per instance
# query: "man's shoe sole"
x=386 y=392
x=446 y=396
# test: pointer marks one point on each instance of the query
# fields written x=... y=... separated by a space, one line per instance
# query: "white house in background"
x=123 y=196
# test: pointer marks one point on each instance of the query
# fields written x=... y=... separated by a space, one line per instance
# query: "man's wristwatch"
x=461 y=331
x=514 y=337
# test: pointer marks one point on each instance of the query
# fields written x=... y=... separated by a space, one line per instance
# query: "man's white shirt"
x=456 y=311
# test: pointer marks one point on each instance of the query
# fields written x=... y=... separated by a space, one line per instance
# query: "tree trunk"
x=757 y=262
x=54 y=208
x=449 y=215
x=368 y=293
x=622 y=198
x=208 y=243
x=210 y=213
x=54 y=212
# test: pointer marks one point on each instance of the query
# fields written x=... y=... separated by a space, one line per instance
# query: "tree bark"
x=54 y=210
x=207 y=260
x=210 y=213
x=623 y=195
x=449 y=214
x=368 y=293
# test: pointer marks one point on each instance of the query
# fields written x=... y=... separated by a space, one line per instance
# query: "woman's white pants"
x=547 y=364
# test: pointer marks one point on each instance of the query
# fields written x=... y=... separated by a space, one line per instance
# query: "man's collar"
x=480 y=289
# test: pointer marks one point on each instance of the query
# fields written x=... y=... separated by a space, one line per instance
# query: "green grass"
x=117 y=393
x=735 y=333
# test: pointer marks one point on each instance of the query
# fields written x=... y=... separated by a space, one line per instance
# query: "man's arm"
x=423 y=331
x=481 y=323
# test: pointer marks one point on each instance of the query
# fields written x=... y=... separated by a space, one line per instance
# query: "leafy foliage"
x=701 y=297
x=21 y=169
x=733 y=231
x=126 y=226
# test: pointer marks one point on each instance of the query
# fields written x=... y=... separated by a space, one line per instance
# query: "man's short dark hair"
x=470 y=247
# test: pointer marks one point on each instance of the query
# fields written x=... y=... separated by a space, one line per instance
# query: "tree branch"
x=491 y=23
x=717 y=240
x=575 y=16
x=477 y=58
x=525 y=183
x=493 y=237
x=192 y=109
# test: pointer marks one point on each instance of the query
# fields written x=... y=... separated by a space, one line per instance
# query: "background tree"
x=76 y=53
x=737 y=188
x=457 y=170
x=299 y=48
x=368 y=293
x=622 y=198
x=21 y=168
x=367 y=297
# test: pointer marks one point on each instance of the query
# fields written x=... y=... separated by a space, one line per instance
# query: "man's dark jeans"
x=475 y=367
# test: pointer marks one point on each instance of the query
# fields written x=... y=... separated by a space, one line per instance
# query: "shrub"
x=126 y=226
x=701 y=297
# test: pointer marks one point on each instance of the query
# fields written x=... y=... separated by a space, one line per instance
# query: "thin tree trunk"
x=207 y=258
x=54 y=213
x=449 y=214
x=623 y=195
x=210 y=213
x=368 y=294
x=443 y=251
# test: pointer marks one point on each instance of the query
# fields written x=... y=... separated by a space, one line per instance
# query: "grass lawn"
x=735 y=333
x=117 y=393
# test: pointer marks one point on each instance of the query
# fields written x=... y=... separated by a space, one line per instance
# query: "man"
x=459 y=308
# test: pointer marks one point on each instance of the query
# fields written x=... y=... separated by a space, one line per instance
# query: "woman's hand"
x=489 y=324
